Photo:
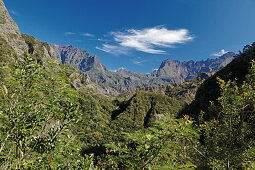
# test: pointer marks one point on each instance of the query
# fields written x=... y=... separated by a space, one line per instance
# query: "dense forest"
x=53 y=117
x=47 y=122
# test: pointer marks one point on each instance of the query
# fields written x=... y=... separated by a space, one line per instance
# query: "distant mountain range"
x=112 y=83
x=170 y=71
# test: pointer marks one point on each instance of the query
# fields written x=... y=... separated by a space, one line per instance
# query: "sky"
x=139 y=34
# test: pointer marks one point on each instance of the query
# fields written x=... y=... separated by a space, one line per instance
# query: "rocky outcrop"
x=9 y=31
x=40 y=50
x=113 y=83
x=209 y=91
x=180 y=71
x=77 y=58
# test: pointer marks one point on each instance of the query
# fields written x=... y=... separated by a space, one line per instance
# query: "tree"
x=164 y=145
x=35 y=110
x=229 y=138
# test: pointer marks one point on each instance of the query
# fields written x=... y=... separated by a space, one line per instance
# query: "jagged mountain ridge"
x=209 y=91
x=9 y=31
x=112 y=83
x=79 y=59
x=181 y=71
x=170 y=71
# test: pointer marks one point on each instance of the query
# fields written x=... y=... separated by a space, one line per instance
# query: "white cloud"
x=220 y=53
x=119 y=69
x=13 y=12
x=137 y=62
x=117 y=50
x=88 y=35
x=122 y=68
x=148 y=40
x=69 y=33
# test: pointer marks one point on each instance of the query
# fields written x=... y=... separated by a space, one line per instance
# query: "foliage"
x=48 y=121
x=145 y=107
x=164 y=145
x=36 y=109
x=229 y=137
x=6 y=53
x=35 y=47
x=209 y=91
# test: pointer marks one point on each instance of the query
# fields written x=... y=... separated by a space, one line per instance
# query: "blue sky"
x=139 y=34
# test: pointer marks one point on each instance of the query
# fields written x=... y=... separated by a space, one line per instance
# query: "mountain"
x=77 y=58
x=111 y=83
x=9 y=31
x=121 y=81
x=114 y=83
x=209 y=91
x=179 y=71
x=53 y=117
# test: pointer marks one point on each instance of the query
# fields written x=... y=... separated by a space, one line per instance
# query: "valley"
x=60 y=108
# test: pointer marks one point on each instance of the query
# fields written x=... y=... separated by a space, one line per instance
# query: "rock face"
x=40 y=50
x=113 y=83
x=237 y=70
x=180 y=71
x=77 y=58
x=9 y=31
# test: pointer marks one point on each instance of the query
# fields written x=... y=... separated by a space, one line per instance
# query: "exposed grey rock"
x=113 y=83
x=180 y=71
x=9 y=31
x=77 y=58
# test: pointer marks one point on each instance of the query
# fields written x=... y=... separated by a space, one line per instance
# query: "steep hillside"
x=111 y=83
x=209 y=91
x=184 y=91
x=123 y=80
x=180 y=71
x=9 y=31
x=146 y=107
x=77 y=58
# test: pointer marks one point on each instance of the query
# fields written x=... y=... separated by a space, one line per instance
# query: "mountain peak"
x=9 y=31
x=181 y=71
x=77 y=58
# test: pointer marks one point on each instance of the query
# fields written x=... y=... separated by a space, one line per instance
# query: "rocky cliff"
x=170 y=71
x=180 y=71
x=9 y=31
x=112 y=83
x=209 y=91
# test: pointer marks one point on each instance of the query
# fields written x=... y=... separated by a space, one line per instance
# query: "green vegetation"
x=36 y=109
x=209 y=91
x=229 y=138
x=7 y=54
x=146 y=107
x=164 y=145
x=48 y=123
x=36 y=48
x=51 y=118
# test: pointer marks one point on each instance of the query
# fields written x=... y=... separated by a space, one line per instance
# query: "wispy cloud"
x=220 y=53
x=13 y=12
x=70 y=33
x=147 y=40
x=117 y=50
x=121 y=68
x=138 y=61
x=88 y=35
x=103 y=40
